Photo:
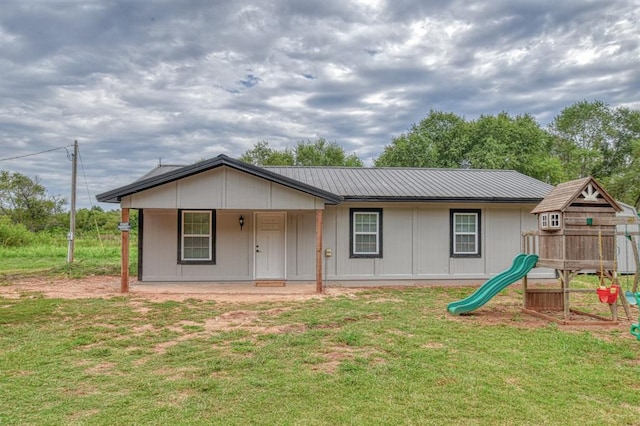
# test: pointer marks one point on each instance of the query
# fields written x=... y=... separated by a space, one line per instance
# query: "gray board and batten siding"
x=416 y=206
x=416 y=245
x=626 y=256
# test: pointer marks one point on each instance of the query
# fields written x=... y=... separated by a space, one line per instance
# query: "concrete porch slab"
x=248 y=287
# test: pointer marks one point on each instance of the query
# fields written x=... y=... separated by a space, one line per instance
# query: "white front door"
x=270 y=246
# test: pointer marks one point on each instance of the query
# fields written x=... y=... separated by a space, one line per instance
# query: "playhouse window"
x=196 y=242
x=544 y=220
x=366 y=233
x=550 y=220
x=465 y=233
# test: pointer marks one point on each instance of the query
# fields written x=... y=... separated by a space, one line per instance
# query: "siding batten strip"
x=318 y=251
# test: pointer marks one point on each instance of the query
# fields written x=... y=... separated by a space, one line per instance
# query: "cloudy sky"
x=134 y=81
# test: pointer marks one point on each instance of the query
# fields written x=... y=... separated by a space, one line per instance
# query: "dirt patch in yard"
x=504 y=309
x=107 y=287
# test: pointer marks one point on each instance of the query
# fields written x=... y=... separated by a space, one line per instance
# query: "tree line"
x=26 y=209
x=584 y=139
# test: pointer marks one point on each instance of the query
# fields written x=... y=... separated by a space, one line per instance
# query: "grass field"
x=377 y=357
x=381 y=356
x=48 y=256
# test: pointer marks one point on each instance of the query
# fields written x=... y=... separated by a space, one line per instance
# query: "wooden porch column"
x=319 y=251
x=124 y=257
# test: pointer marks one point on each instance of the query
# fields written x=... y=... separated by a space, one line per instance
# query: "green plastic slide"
x=635 y=328
x=522 y=264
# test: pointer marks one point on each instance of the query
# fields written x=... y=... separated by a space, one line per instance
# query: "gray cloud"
x=136 y=81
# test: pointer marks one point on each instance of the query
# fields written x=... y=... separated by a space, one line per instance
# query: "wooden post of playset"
x=636 y=259
x=565 y=276
x=529 y=246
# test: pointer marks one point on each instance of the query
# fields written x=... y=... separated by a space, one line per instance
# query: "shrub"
x=14 y=235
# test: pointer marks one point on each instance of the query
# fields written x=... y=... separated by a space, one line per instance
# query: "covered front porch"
x=222 y=220
x=263 y=248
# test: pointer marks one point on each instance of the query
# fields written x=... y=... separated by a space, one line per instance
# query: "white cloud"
x=138 y=81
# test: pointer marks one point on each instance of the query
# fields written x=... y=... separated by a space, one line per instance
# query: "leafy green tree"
x=94 y=220
x=595 y=139
x=24 y=200
x=585 y=139
x=514 y=143
x=323 y=153
x=263 y=155
x=496 y=142
x=439 y=140
x=625 y=184
x=305 y=153
x=623 y=181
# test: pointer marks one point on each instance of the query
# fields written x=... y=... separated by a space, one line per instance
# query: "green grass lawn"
x=48 y=256
x=379 y=357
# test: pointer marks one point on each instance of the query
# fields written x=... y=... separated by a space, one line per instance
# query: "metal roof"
x=335 y=184
x=408 y=184
x=160 y=170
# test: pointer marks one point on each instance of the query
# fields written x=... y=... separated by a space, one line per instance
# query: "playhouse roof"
x=586 y=191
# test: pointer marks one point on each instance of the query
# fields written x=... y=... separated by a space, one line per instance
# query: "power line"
x=86 y=184
x=84 y=174
x=35 y=153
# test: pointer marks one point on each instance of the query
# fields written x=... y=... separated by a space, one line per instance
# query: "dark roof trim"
x=445 y=200
x=115 y=195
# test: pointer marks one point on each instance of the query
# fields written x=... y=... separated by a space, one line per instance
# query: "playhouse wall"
x=584 y=243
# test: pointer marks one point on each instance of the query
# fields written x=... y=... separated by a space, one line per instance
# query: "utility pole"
x=72 y=215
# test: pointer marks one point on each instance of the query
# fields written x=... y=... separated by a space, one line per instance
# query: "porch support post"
x=124 y=257
x=319 y=251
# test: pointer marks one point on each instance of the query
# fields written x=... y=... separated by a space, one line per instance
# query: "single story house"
x=222 y=220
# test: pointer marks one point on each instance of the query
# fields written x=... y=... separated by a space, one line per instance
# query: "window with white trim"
x=465 y=233
x=550 y=221
x=544 y=220
x=366 y=233
x=196 y=241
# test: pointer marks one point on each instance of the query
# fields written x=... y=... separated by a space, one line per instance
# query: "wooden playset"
x=576 y=233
